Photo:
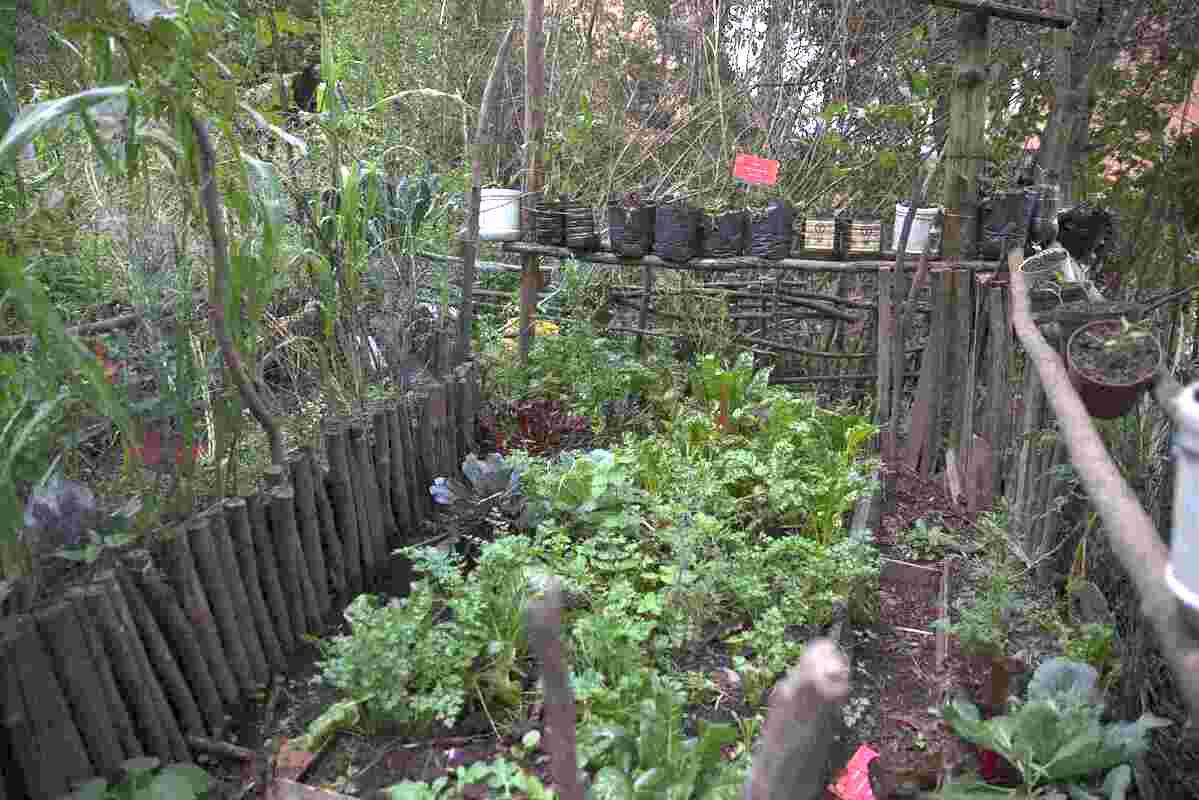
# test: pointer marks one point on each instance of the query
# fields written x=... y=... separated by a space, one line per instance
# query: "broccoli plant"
x=1056 y=737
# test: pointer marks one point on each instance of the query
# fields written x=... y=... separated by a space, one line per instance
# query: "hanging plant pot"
x=770 y=230
x=723 y=235
x=863 y=238
x=1110 y=366
x=821 y=236
x=631 y=226
x=676 y=231
x=578 y=225
x=548 y=221
x=1000 y=221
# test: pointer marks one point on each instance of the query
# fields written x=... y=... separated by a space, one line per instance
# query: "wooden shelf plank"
x=744 y=262
x=1046 y=19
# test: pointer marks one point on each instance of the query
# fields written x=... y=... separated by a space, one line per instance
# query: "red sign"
x=752 y=169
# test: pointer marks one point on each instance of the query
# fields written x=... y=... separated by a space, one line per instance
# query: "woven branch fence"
x=154 y=653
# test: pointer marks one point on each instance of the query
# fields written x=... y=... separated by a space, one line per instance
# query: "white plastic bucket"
x=922 y=228
x=1182 y=575
x=499 y=215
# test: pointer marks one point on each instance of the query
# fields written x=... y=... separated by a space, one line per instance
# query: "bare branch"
x=1130 y=530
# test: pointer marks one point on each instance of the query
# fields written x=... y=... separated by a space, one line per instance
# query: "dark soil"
x=1127 y=363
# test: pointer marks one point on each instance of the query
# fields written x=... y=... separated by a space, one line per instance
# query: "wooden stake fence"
x=154 y=653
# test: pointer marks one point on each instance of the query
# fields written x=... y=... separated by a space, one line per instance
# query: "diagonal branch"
x=220 y=285
x=1130 y=530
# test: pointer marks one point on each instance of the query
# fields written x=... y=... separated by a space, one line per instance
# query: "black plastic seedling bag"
x=547 y=216
x=631 y=227
x=676 y=231
x=1000 y=218
x=723 y=235
x=1083 y=230
x=578 y=225
x=770 y=230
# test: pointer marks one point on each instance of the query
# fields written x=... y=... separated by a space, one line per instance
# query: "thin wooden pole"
x=530 y=275
x=485 y=134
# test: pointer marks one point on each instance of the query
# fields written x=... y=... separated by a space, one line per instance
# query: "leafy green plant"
x=501 y=776
x=984 y=622
x=1056 y=735
x=653 y=759
x=145 y=779
x=456 y=638
x=926 y=541
x=1094 y=643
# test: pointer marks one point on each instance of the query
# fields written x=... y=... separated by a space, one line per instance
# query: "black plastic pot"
x=676 y=231
x=770 y=230
x=1083 y=230
x=549 y=223
x=631 y=227
x=724 y=235
x=578 y=225
x=1000 y=221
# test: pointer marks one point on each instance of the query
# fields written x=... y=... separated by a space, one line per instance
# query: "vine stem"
x=220 y=283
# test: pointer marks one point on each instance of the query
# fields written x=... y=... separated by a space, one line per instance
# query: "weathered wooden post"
x=530 y=274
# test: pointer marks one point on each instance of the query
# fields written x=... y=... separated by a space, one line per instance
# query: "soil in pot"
x=770 y=230
x=547 y=215
x=1109 y=379
x=1121 y=365
x=578 y=225
x=723 y=235
x=676 y=231
x=631 y=226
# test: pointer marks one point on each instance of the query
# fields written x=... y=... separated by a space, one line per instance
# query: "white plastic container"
x=1182 y=574
x=923 y=226
x=499 y=215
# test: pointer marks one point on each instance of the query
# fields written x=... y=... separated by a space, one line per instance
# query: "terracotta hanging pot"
x=1109 y=372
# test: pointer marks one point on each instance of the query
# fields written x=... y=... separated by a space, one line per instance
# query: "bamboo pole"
x=310 y=532
x=334 y=552
x=382 y=459
x=219 y=592
x=41 y=727
x=399 y=480
x=229 y=560
x=118 y=640
x=367 y=485
x=160 y=655
x=81 y=685
x=151 y=685
x=181 y=569
x=257 y=509
x=185 y=643
x=345 y=507
x=237 y=520
x=284 y=536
